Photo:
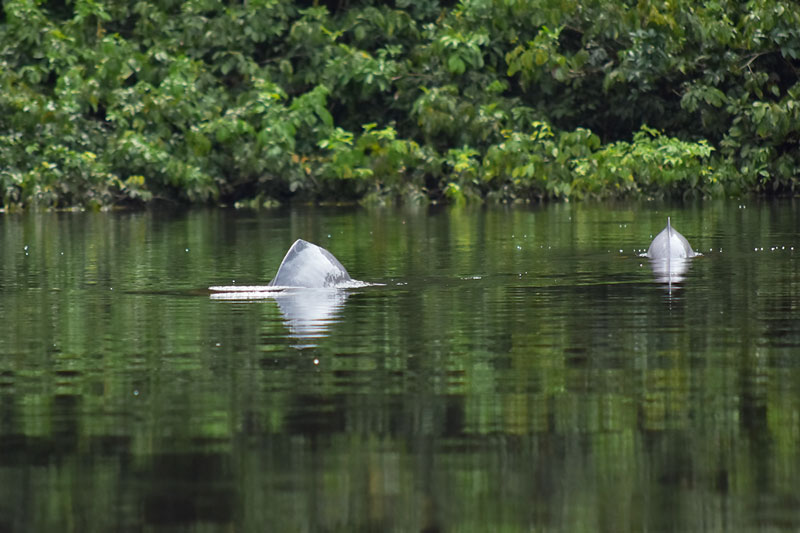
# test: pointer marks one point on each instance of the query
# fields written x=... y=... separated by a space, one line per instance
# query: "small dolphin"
x=310 y=266
x=669 y=244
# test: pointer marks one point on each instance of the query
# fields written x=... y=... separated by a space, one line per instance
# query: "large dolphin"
x=310 y=266
x=308 y=290
x=669 y=244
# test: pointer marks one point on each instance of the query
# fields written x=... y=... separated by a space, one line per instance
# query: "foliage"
x=106 y=102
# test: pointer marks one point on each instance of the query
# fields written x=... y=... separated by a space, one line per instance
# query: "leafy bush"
x=206 y=102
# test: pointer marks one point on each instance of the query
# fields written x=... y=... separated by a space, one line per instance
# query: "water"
x=517 y=370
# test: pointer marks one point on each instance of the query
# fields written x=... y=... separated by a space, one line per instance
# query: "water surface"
x=518 y=369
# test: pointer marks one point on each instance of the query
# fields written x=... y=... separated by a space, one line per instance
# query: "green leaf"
x=455 y=64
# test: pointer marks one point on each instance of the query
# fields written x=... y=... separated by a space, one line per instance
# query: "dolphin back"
x=311 y=266
x=670 y=244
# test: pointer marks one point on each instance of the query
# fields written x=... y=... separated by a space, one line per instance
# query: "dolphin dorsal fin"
x=669 y=238
x=669 y=255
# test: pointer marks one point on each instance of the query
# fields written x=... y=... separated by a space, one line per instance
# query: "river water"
x=510 y=370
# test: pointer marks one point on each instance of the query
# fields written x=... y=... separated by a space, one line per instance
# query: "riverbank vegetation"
x=267 y=101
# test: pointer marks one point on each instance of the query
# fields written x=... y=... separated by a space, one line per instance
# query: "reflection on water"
x=188 y=487
x=518 y=371
x=308 y=313
x=670 y=270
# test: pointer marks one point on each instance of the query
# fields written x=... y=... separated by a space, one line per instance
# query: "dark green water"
x=520 y=370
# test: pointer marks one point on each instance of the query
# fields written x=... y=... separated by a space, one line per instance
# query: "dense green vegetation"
x=105 y=102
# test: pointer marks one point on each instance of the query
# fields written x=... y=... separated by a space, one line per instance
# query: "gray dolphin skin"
x=669 y=244
x=311 y=266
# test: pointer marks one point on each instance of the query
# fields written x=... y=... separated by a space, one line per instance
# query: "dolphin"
x=669 y=244
x=669 y=255
x=310 y=266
